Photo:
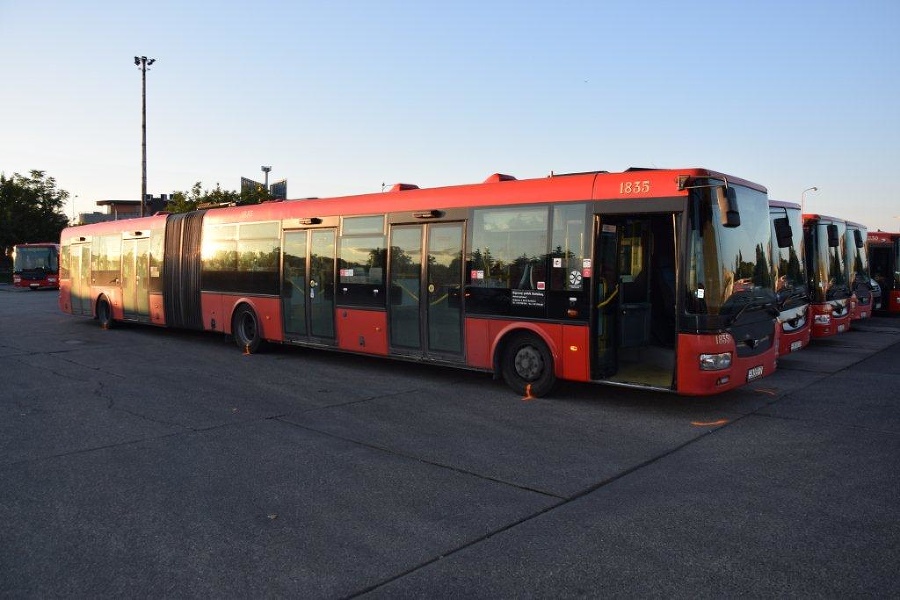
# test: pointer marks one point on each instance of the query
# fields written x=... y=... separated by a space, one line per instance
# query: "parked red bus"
x=791 y=285
x=826 y=257
x=36 y=266
x=857 y=267
x=884 y=263
x=648 y=278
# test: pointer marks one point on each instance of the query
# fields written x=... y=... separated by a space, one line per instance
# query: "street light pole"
x=803 y=198
x=143 y=62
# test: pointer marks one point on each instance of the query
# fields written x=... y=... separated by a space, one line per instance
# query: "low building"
x=125 y=209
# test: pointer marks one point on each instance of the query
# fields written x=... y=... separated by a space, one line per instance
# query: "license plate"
x=841 y=328
x=754 y=373
x=796 y=346
x=863 y=315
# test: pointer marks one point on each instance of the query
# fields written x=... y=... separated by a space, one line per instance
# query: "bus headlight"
x=822 y=320
x=715 y=362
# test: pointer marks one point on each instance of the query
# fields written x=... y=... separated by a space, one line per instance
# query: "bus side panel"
x=569 y=344
x=114 y=295
x=478 y=343
x=65 y=296
x=362 y=331
x=214 y=318
x=157 y=309
x=268 y=310
x=893 y=302
x=575 y=353
x=694 y=382
x=485 y=336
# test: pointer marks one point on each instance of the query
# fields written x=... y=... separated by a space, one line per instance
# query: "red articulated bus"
x=791 y=285
x=656 y=279
x=884 y=262
x=826 y=257
x=36 y=266
x=861 y=298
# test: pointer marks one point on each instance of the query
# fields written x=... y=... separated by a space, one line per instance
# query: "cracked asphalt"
x=142 y=462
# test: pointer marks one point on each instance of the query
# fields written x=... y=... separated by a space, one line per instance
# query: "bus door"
x=136 y=278
x=425 y=312
x=80 y=273
x=307 y=285
x=635 y=259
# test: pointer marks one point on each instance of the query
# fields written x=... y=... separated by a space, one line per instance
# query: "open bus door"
x=635 y=317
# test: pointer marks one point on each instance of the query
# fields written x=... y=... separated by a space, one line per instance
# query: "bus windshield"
x=790 y=272
x=857 y=260
x=33 y=258
x=729 y=268
x=829 y=267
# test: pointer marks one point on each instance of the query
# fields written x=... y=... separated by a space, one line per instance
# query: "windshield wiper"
x=768 y=306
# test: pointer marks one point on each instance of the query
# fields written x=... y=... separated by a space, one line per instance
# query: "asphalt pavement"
x=143 y=462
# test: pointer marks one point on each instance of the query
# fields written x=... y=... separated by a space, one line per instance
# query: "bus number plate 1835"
x=754 y=373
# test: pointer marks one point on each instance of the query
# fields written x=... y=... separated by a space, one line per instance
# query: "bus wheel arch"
x=525 y=361
x=103 y=312
x=246 y=328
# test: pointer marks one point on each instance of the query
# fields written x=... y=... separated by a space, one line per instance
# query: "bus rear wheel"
x=527 y=365
x=104 y=313
x=245 y=329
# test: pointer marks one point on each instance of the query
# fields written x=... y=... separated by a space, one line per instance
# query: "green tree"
x=31 y=210
x=197 y=197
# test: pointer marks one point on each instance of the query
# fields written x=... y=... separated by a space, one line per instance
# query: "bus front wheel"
x=245 y=329
x=527 y=365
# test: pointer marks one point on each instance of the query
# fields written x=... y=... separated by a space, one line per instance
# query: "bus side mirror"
x=857 y=237
x=728 y=206
x=833 y=241
x=783 y=232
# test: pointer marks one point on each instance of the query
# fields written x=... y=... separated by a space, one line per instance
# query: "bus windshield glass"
x=857 y=260
x=830 y=274
x=790 y=273
x=35 y=258
x=729 y=269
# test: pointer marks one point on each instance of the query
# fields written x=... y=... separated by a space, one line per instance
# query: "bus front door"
x=425 y=308
x=80 y=273
x=307 y=285
x=632 y=254
x=136 y=278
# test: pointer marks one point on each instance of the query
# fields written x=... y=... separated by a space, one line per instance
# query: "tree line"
x=31 y=210
x=32 y=207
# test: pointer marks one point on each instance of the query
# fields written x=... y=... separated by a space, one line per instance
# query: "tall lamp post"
x=143 y=62
x=803 y=198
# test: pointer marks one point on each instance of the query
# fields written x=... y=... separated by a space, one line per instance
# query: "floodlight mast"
x=143 y=62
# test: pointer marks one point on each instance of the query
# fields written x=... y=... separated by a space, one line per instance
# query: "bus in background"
x=36 y=266
x=858 y=271
x=648 y=278
x=826 y=258
x=791 y=285
x=884 y=265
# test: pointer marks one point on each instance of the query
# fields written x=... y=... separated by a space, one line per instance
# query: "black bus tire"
x=245 y=329
x=104 y=313
x=527 y=365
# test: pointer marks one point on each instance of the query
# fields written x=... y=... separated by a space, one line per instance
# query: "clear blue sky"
x=340 y=97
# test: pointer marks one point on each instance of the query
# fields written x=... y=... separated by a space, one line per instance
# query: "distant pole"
x=803 y=198
x=143 y=62
x=266 y=171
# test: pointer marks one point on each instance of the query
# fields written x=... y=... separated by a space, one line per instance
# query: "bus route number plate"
x=754 y=373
